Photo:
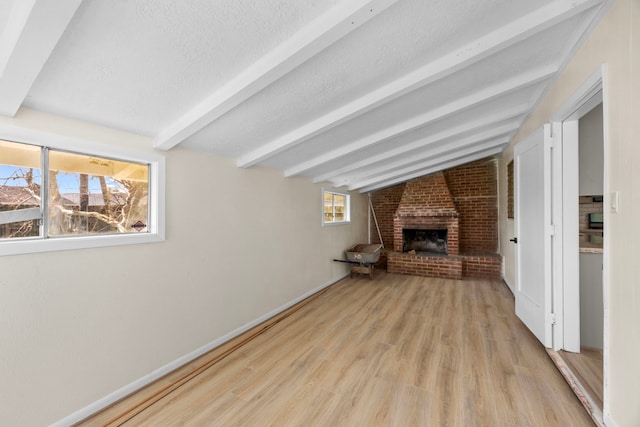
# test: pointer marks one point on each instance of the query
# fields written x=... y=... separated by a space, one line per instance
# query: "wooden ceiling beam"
x=459 y=131
x=503 y=132
x=31 y=33
x=495 y=41
x=457 y=106
x=305 y=44
x=436 y=168
x=431 y=163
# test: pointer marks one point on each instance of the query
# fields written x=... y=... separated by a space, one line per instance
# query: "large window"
x=335 y=207
x=49 y=195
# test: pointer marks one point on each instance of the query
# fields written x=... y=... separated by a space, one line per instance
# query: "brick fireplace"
x=426 y=204
x=462 y=201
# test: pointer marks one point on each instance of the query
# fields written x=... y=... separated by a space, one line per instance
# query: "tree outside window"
x=86 y=195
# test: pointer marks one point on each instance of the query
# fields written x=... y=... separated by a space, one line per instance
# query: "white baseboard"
x=509 y=284
x=608 y=421
x=122 y=392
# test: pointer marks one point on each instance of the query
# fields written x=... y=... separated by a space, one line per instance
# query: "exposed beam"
x=306 y=43
x=430 y=163
x=457 y=162
x=10 y=34
x=457 y=131
x=459 y=105
x=503 y=132
x=502 y=38
x=30 y=35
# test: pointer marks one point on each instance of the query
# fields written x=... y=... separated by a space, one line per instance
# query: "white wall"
x=591 y=306
x=590 y=152
x=616 y=43
x=78 y=325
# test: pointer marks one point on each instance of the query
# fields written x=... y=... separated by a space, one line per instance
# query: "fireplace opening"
x=431 y=241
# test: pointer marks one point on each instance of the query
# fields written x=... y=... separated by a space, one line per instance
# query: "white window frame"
x=347 y=211
x=156 y=161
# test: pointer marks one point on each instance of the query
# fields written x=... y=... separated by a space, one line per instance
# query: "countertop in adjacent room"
x=591 y=241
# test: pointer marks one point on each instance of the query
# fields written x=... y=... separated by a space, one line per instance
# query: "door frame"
x=566 y=302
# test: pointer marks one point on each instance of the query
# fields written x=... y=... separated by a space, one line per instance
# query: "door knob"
x=514 y=240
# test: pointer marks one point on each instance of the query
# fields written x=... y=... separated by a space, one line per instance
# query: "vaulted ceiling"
x=360 y=93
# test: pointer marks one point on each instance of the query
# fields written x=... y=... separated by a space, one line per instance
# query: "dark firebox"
x=432 y=241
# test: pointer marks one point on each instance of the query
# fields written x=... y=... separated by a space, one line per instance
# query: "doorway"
x=569 y=314
x=584 y=352
x=582 y=298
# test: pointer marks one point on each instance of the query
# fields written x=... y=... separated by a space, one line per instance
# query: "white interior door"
x=532 y=214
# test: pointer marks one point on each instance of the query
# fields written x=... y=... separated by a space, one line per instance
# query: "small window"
x=49 y=196
x=335 y=208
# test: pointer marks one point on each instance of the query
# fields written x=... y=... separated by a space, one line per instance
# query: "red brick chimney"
x=426 y=204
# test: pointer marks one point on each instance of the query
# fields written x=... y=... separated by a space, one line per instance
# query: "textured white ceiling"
x=5 y=11
x=357 y=92
x=140 y=64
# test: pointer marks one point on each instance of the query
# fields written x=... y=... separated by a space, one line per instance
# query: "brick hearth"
x=447 y=267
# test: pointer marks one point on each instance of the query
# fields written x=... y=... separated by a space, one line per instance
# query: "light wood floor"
x=395 y=351
x=587 y=367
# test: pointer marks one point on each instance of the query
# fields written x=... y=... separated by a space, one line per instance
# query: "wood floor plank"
x=413 y=407
x=423 y=367
x=395 y=351
x=448 y=392
x=478 y=378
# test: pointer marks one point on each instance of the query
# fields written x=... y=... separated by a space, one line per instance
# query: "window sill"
x=331 y=224
x=36 y=245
